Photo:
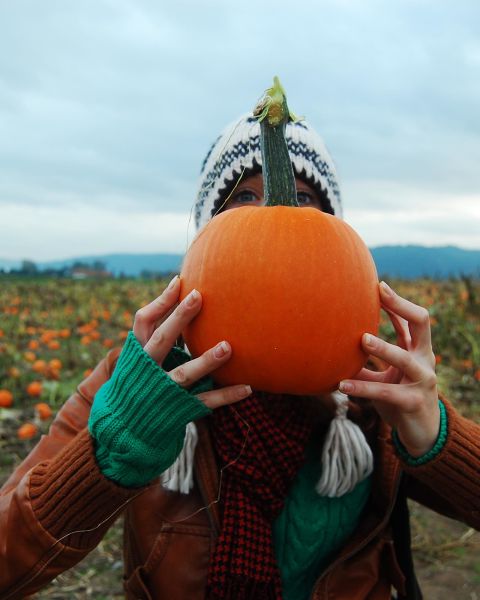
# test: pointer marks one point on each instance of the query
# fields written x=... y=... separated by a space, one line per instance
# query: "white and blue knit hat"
x=236 y=153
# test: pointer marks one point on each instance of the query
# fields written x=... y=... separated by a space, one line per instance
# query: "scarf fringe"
x=179 y=477
x=347 y=458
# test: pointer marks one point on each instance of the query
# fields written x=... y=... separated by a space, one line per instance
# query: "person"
x=219 y=486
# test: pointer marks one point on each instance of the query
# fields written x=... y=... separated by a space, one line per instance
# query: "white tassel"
x=179 y=477
x=346 y=457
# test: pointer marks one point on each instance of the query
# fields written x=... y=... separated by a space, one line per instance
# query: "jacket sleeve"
x=450 y=482
x=57 y=505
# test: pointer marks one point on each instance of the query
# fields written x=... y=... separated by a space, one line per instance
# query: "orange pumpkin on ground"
x=34 y=388
x=30 y=356
x=55 y=363
x=6 y=398
x=27 y=431
x=43 y=410
x=39 y=366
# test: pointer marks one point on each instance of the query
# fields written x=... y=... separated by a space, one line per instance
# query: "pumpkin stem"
x=279 y=187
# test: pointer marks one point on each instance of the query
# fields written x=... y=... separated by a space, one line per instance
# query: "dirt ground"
x=447 y=556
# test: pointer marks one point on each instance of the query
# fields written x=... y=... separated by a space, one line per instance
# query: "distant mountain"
x=6 y=264
x=410 y=262
x=407 y=262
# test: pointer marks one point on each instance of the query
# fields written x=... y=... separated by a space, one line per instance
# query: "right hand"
x=157 y=326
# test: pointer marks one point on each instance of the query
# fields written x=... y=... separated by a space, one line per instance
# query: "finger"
x=393 y=355
x=401 y=329
x=223 y=396
x=190 y=372
x=368 y=375
x=384 y=393
x=417 y=317
x=164 y=337
x=147 y=317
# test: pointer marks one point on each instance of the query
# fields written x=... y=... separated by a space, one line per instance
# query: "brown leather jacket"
x=57 y=506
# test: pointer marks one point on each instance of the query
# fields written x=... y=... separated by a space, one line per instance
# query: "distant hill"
x=410 y=262
x=407 y=262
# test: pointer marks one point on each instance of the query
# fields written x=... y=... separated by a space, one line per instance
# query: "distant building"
x=89 y=273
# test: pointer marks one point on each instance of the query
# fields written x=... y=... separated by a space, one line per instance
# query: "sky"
x=107 y=108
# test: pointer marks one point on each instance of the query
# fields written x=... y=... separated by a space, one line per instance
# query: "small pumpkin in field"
x=6 y=398
x=291 y=289
x=27 y=431
x=34 y=388
x=43 y=410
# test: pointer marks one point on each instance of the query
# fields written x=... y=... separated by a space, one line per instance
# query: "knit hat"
x=346 y=457
x=236 y=153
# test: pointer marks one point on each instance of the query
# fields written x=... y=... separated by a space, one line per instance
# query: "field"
x=52 y=332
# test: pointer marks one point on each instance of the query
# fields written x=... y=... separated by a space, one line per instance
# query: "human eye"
x=305 y=199
x=244 y=197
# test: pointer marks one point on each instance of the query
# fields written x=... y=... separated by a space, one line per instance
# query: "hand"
x=158 y=324
x=405 y=394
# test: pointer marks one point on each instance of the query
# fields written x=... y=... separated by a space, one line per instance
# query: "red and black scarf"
x=263 y=440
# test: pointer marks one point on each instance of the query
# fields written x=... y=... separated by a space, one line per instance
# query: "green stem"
x=279 y=187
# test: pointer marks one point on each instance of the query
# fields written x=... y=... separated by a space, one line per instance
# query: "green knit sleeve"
x=138 y=417
x=431 y=454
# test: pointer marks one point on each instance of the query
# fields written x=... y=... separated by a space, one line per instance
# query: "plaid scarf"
x=262 y=440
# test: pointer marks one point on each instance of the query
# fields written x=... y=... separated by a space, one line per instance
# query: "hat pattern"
x=236 y=152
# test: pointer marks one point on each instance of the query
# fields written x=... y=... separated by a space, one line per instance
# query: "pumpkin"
x=39 y=366
x=27 y=431
x=6 y=398
x=34 y=388
x=292 y=290
x=43 y=410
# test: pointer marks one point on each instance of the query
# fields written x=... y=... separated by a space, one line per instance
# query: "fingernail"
x=246 y=391
x=346 y=387
x=220 y=349
x=172 y=283
x=386 y=289
x=369 y=340
x=191 y=299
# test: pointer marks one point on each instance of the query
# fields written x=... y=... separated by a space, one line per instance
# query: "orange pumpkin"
x=34 y=388
x=39 y=366
x=291 y=289
x=55 y=364
x=27 y=431
x=43 y=410
x=30 y=356
x=6 y=398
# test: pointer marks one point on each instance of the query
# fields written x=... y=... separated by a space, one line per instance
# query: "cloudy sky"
x=107 y=108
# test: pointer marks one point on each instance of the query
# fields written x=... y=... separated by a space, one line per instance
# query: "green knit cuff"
x=138 y=417
x=431 y=454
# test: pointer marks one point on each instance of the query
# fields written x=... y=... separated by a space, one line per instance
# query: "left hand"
x=405 y=394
